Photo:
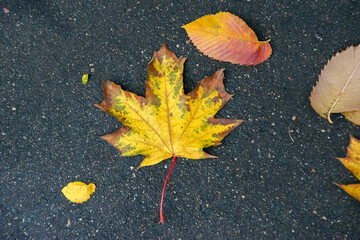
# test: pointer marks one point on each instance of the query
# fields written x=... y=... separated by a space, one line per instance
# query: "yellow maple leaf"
x=167 y=123
x=352 y=163
x=78 y=192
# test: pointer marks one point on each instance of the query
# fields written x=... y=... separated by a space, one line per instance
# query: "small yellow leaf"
x=85 y=78
x=78 y=192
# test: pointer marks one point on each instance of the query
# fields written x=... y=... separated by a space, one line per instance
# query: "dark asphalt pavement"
x=274 y=175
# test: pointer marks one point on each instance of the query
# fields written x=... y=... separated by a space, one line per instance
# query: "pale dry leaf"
x=337 y=90
x=353 y=117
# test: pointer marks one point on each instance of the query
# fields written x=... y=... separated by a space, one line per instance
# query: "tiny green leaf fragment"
x=85 y=78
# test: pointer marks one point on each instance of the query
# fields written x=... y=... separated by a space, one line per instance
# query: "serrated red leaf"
x=226 y=37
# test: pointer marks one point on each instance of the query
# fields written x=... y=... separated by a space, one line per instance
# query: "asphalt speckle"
x=274 y=175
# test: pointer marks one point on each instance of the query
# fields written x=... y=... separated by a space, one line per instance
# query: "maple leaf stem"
x=163 y=192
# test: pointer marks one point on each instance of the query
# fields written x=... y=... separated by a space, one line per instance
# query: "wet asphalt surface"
x=274 y=175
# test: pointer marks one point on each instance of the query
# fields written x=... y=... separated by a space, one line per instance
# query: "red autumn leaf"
x=226 y=37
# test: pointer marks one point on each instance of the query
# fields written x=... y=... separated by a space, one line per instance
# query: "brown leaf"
x=337 y=90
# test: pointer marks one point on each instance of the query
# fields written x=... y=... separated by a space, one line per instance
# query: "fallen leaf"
x=85 y=78
x=226 y=37
x=352 y=163
x=78 y=192
x=353 y=116
x=167 y=123
x=337 y=90
x=6 y=11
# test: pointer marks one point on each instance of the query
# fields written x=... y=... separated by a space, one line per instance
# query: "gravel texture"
x=274 y=175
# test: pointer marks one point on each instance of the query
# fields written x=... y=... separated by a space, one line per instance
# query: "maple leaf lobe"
x=167 y=122
x=352 y=159
x=352 y=163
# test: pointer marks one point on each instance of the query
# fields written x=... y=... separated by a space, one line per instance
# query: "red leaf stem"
x=163 y=192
